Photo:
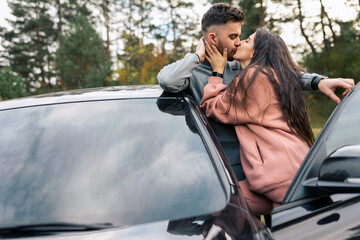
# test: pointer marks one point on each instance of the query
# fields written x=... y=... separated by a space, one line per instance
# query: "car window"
x=347 y=128
x=119 y=161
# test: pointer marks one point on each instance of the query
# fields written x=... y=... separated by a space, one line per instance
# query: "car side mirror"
x=340 y=171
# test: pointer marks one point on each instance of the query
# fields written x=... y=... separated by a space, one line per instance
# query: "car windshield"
x=120 y=161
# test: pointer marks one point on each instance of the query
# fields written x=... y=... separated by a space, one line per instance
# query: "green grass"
x=320 y=108
x=316 y=131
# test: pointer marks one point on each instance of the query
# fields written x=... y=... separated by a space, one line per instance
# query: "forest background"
x=54 y=45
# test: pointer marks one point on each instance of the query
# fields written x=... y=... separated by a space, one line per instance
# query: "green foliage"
x=52 y=44
x=256 y=15
x=29 y=41
x=71 y=9
x=81 y=59
x=11 y=85
x=252 y=13
x=220 y=1
x=179 y=25
x=341 y=60
x=140 y=63
x=320 y=108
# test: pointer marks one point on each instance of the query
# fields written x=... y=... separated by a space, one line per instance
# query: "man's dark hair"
x=221 y=13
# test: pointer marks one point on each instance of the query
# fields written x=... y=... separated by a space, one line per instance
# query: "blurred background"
x=53 y=45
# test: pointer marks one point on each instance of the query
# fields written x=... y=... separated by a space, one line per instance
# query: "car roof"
x=88 y=94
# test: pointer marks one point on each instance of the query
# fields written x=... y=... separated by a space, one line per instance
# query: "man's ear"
x=212 y=38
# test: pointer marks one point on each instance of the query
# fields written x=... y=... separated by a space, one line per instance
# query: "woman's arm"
x=216 y=100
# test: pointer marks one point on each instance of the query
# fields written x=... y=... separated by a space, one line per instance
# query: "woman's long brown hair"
x=272 y=56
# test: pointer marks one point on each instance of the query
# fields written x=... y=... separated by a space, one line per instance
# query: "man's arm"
x=306 y=80
x=313 y=81
x=328 y=86
x=175 y=77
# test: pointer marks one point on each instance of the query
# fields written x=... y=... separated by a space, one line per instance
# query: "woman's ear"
x=252 y=54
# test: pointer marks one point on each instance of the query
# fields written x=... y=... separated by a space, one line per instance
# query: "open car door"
x=323 y=200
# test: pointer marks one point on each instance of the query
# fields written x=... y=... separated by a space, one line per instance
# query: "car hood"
x=157 y=230
x=233 y=222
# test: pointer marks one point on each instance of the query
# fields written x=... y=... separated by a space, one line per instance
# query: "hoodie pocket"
x=259 y=152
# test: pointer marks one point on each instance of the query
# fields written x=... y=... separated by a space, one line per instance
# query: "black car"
x=140 y=163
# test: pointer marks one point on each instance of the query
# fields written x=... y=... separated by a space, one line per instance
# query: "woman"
x=266 y=105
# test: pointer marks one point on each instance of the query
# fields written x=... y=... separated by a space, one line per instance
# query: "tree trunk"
x=39 y=46
x=325 y=41
x=106 y=11
x=173 y=23
x=59 y=14
x=142 y=23
x=262 y=13
x=330 y=22
x=301 y=20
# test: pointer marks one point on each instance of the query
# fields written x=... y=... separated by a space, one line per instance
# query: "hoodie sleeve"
x=306 y=79
x=260 y=97
x=175 y=77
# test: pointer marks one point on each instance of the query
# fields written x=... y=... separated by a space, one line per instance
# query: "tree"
x=340 y=60
x=178 y=26
x=143 y=21
x=138 y=59
x=334 y=60
x=105 y=7
x=302 y=28
x=29 y=42
x=68 y=10
x=140 y=62
x=252 y=14
x=136 y=19
x=11 y=85
x=255 y=15
x=82 y=59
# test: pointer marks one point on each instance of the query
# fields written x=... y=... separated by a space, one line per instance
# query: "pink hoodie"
x=270 y=153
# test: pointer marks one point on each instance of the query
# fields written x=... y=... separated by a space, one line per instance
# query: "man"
x=221 y=26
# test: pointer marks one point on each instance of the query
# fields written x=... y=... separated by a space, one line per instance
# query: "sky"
x=4 y=12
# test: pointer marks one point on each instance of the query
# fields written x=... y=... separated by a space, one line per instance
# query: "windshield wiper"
x=49 y=228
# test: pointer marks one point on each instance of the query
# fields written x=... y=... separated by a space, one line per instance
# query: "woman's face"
x=245 y=51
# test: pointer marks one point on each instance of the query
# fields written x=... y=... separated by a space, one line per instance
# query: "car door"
x=323 y=201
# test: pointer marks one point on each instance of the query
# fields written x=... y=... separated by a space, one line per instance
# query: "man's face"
x=229 y=37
